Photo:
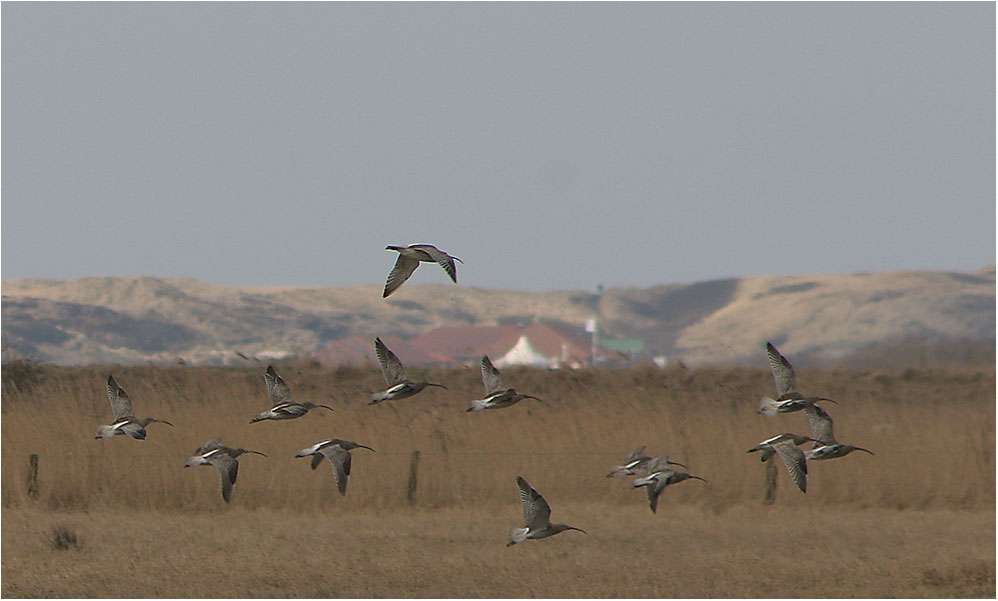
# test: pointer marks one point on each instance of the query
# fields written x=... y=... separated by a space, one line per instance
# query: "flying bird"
x=338 y=453
x=788 y=398
x=124 y=421
x=536 y=517
x=659 y=476
x=409 y=259
x=399 y=386
x=280 y=396
x=826 y=447
x=636 y=464
x=223 y=458
x=785 y=445
x=497 y=395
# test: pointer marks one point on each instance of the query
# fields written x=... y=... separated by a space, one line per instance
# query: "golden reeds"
x=932 y=431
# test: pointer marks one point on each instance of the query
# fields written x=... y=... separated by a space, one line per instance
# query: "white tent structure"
x=524 y=353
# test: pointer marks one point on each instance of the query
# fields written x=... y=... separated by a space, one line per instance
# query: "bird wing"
x=636 y=455
x=214 y=443
x=317 y=459
x=783 y=372
x=443 y=259
x=794 y=459
x=821 y=424
x=658 y=464
x=278 y=390
x=391 y=367
x=404 y=266
x=121 y=405
x=654 y=491
x=340 y=460
x=228 y=469
x=491 y=377
x=536 y=512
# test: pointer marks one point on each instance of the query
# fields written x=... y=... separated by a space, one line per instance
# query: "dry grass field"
x=116 y=518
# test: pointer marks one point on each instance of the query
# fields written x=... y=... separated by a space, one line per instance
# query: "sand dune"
x=819 y=317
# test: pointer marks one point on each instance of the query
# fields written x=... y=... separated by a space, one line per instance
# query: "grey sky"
x=550 y=146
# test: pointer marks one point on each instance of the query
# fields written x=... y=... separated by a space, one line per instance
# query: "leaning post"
x=33 y=476
x=413 y=477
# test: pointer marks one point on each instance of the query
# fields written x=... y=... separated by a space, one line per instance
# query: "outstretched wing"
x=121 y=405
x=391 y=367
x=214 y=443
x=536 y=512
x=658 y=464
x=404 y=266
x=228 y=469
x=278 y=390
x=821 y=424
x=636 y=455
x=491 y=377
x=796 y=464
x=655 y=490
x=340 y=461
x=443 y=259
x=783 y=372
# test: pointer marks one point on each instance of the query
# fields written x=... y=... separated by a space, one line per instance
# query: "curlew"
x=826 y=447
x=767 y=450
x=124 y=421
x=338 y=453
x=497 y=395
x=786 y=387
x=659 y=476
x=280 y=396
x=636 y=464
x=785 y=445
x=399 y=386
x=536 y=517
x=409 y=259
x=223 y=458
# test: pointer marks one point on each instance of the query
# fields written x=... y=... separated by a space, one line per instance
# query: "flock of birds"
x=653 y=474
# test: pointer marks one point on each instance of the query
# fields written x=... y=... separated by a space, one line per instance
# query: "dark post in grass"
x=33 y=476
x=413 y=472
x=770 y=482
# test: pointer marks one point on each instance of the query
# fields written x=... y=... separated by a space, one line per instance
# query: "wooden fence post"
x=33 y=476
x=770 y=481
x=413 y=476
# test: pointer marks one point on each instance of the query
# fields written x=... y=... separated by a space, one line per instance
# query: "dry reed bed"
x=933 y=433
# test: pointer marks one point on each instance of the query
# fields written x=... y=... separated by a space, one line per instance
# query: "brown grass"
x=915 y=520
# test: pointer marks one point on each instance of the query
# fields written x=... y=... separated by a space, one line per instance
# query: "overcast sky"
x=552 y=146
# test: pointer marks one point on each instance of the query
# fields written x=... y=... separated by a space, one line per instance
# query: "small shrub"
x=64 y=537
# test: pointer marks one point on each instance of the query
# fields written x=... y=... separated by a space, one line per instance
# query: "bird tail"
x=478 y=405
x=638 y=482
x=768 y=406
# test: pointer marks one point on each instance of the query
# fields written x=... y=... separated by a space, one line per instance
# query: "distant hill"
x=812 y=318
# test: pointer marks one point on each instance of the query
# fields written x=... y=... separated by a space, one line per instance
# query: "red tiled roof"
x=468 y=342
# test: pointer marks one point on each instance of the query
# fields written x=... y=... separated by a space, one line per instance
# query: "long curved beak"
x=579 y=529
x=257 y=452
x=677 y=463
x=865 y=450
x=440 y=385
x=698 y=478
x=326 y=407
x=360 y=446
x=163 y=421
